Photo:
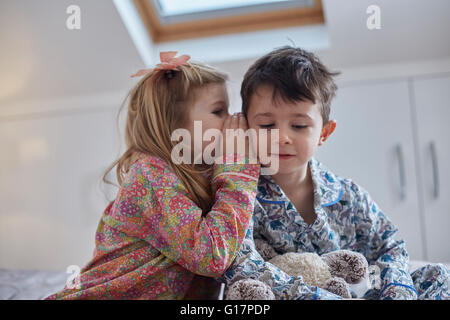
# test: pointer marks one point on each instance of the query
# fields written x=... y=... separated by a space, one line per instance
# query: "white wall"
x=60 y=91
x=50 y=188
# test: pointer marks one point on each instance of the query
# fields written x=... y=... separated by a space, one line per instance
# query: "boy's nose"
x=284 y=138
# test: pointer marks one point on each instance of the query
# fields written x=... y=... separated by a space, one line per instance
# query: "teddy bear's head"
x=333 y=271
x=348 y=265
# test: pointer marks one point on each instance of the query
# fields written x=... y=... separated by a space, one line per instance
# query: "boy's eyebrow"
x=269 y=114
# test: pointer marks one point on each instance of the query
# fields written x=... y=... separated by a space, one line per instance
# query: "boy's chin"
x=285 y=167
x=282 y=168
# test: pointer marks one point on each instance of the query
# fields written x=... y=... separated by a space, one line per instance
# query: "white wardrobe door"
x=50 y=191
x=432 y=103
x=373 y=145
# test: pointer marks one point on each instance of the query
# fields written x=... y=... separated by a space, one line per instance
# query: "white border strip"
x=137 y=30
x=249 y=45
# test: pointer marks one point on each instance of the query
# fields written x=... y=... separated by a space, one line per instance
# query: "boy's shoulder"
x=326 y=178
x=329 y=187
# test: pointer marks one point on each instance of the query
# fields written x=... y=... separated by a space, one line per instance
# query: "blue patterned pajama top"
x=347 y=218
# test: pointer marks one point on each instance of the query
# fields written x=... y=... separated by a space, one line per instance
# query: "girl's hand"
x=235 y=138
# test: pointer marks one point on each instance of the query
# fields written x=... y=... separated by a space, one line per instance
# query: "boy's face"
x=300 y=126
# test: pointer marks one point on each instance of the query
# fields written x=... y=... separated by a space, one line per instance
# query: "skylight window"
x=177 y=7
x=177 y=11
x=169 y=20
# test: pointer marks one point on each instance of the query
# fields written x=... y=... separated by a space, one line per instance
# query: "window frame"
x=247 y=22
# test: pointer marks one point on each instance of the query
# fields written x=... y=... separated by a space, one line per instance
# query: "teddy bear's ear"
x=249 y=289
x=264 y=249
x=338 y=286
x=349 y=265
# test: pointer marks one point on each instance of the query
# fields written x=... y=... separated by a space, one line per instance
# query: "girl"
x=170 y=226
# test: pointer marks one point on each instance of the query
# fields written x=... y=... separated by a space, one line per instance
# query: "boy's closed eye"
x=271 y=125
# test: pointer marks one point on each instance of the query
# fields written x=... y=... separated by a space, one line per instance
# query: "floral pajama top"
x=347 y=218
x=152 y=239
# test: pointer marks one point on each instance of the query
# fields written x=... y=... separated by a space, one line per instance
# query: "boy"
x=306 y=208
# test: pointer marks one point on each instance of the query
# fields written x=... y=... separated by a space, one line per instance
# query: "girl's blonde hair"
x=157 y=106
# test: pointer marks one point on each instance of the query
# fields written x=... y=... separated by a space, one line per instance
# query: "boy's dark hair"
x=295 y=75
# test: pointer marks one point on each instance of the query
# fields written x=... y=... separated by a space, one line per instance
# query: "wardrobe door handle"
x=401 y=169
x=434 y=163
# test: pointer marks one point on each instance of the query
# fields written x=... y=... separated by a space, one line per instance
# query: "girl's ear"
x=327 y=130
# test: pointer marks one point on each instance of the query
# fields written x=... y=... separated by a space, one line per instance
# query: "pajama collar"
x=328 y=188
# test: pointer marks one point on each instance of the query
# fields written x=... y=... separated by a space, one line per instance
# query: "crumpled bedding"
x=37 y=284
x=30 y=284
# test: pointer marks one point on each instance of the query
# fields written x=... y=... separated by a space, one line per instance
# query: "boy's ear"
x=327 y=130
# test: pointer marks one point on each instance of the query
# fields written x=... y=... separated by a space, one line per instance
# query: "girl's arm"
x=173 y=224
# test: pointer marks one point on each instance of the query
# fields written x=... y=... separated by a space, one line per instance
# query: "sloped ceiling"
x=41 y=59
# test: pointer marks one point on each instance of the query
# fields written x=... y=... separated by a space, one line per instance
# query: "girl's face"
x=299 y=124
x=210 y=106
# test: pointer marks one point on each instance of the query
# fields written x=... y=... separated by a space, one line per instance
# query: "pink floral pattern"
x=152 y=239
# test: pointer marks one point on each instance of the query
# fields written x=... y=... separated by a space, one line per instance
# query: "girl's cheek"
x=214 y=122
x=220 y=123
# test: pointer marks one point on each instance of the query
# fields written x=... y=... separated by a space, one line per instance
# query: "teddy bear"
x=334 y=271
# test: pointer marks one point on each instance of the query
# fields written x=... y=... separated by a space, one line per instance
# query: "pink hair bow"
x=168 y=62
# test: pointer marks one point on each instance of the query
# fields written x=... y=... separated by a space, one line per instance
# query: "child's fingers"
x=242 y=122
x=235 y=121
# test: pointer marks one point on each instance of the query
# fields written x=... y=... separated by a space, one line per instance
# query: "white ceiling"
x=41 y=59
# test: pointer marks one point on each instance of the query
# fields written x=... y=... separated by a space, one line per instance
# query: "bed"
x=30 y=284
x=36 y=284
